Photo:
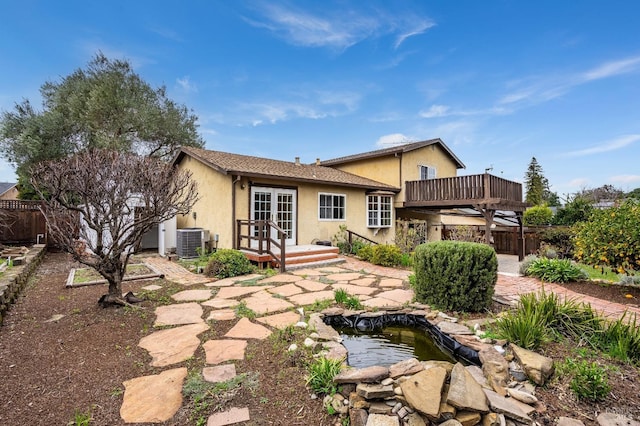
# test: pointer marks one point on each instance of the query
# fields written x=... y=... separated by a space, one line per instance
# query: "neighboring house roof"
x=244 y=165
x=394 y=150
x=6 y=187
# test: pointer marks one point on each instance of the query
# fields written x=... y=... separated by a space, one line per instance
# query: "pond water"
x=389 y=345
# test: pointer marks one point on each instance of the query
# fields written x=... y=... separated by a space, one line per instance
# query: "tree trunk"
x=114 y=296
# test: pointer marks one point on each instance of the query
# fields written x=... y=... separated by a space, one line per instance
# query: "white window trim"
x=332 y=194
x=379 y=210
x=429 y=168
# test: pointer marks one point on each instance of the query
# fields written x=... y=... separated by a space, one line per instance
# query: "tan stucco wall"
x=213 y=208
x=381 y=169
x=11 y=194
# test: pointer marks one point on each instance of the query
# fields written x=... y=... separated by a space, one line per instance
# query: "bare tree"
x=100 y=203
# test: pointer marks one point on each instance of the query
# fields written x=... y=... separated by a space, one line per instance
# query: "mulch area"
x=625 y=295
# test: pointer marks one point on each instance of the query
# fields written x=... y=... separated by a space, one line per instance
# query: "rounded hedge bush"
x=455 y=276
x=226 y=263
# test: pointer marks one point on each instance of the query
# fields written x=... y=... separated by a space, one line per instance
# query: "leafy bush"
x=526 y=262
x=466 y=233
x=561 y=239
x=410 y=234
x=365 y=253
x=537 y=215
x=226 y=263
x=386 y=255
x=556 y=270
x=321 y=374
x=456 y=276
x=611 y=237
x=577 y=210
x=590 y=381
x=630 y=280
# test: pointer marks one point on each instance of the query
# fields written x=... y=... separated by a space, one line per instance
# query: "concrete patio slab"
x=178 y=314
x=153 y=399
x=218 y=351
x=245 y=329
x=173 y=345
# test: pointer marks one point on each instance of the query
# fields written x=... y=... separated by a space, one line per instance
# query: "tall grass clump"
x=621 y=338
x=321 y=374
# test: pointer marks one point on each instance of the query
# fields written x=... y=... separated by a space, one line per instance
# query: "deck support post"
x=488 y=215
x=521 y=240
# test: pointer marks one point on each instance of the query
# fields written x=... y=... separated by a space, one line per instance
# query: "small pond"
x=387 y=338
x=389 y=345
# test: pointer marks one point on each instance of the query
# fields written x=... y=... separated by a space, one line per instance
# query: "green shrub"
x=537 y=216
x=365 y=253
x=556 y=270
x=561 y=239
x=590 y=381
x=611 y=237
x=321 y=374
x=226 y=263
x=577 y=210
x=455 y=276
x=386 y=255
x=526 y=262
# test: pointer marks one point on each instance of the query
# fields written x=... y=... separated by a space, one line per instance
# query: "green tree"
x=604 y=193
x=611 y=237
x=536 y=185
x=537 y=216
x=576 y=210
x=634 y=194
x=106 y=105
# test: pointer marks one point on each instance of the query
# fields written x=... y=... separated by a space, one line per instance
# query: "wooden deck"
x=297 y=256
x=488 y=191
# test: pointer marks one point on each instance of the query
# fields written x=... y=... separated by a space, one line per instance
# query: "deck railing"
x=463 y=189
x=261 y=232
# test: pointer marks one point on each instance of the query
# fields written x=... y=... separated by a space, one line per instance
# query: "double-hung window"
x=379 y=208
x=427 y=172
x=332 y=206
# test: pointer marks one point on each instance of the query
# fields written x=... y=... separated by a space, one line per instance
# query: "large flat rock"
x=217 y=351
x=286 y=290
x=511 y=409
x=219 y=373
x=281 y=279
x=310 y=298
x=325 y=332
x=280 y=321
x=233 y=292
x=232 y=416
x=354 y=289
x=173 y=345
x=218 y=303
x=153 y=399
x=178 y=314
x=309 y=285
x=264 y=303
x=192 y=295
x=344 y=276
x=373 y=374
x=464 y=392
x=245 y=329
x=423 y=391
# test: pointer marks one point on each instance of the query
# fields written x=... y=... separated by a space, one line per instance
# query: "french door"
x=276 y=204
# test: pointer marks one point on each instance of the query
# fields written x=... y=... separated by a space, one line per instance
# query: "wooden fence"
x=505 y=238
x=23 y=222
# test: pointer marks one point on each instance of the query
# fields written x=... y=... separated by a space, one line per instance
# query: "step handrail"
x=350 y=235
x=264 y=230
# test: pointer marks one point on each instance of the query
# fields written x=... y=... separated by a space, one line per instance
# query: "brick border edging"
x=13 y=281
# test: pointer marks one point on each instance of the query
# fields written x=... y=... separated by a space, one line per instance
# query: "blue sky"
x=498 y=81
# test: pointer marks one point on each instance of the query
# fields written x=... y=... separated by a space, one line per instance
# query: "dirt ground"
x=52 y=370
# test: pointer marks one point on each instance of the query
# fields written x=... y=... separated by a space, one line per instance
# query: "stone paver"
x=286 y=290
x=152 y=287
x=355 y=289
x=281 y=278
x=178 y=314
x=218 y=351
x=332 y=270
x=173 y=345
x=308 y=272
x=231 y=292
x=218 y=303
x=230 y=417
x=344 y=276
x=380 y=302
x=245 y=329
x=280 y=320
x=174 y=272
x=309 y=298
x=192 y=295
x=153 y=399
x=261 y=304
x=365 y=282
x=309 y=285
x=391 y=282
x=222 y=315
x=219 y=373
x=397 y=295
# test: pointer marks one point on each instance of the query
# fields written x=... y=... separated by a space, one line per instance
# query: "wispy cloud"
x=610 y=145
x=625 y=179
x=457 y=132
x=578 y=182
x=535 y=90
x=336 y=27
x=186 y=85
x=436 y=111
x=393 y=139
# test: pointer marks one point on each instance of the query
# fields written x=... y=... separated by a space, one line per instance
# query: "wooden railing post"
x=282 y=252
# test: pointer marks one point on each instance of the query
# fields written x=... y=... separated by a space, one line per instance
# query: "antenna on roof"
x=489 y=169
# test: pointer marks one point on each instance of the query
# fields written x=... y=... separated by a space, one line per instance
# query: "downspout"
x=233 y=210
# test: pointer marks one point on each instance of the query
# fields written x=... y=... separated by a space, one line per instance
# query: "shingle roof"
x=5 y=186
x=394 y=150
x=244 y=165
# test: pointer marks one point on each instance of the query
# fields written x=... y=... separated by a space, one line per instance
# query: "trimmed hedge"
x=455 y=276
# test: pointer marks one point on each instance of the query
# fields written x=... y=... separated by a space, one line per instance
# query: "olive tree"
x=104 y=105
x=99 y=203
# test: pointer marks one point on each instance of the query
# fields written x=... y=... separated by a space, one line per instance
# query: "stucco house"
x=8 y=191
x=365 y=192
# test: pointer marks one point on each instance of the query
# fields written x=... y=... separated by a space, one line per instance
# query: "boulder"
x=522 y=396
x=537 y=367
x=423 y=391
x=358 y=417
x=414 y=419
x=405 y=368
x=612 y=419
x=468 y=418
x=362 y=375
x=501 y=405
x=495 y=369
x=464 y=392
x=382 y=420
x=374 y=391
